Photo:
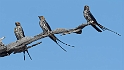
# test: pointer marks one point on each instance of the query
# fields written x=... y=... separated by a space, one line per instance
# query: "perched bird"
x=46 y=28
x=19 y=33
x=90 y=18
x=92 y=21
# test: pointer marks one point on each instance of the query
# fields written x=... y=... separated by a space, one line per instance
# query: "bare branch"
x=28 y=40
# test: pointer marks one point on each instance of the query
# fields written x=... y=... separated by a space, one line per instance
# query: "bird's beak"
x=39 y=17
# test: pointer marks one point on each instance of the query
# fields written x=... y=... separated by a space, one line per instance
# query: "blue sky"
x=92 y=51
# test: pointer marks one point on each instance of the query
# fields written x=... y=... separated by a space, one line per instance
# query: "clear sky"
x=92 y=51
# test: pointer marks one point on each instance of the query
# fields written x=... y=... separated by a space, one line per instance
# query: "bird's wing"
x=92 y=17
x=21 y=31
x=94 y=26
x=94 y=22
x=48 y=26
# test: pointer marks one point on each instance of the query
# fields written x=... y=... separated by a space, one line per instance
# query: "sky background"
x=92 y=51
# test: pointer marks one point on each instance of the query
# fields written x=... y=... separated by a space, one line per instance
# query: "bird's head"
x=86 y=7
x=41 y=17
x=17 y=23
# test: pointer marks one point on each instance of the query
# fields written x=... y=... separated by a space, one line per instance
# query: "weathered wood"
x=28 y=40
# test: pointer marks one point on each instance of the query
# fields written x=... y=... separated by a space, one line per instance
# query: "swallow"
x=19 y=33
x=46 y=28
x=92 y=21
x=90 y=18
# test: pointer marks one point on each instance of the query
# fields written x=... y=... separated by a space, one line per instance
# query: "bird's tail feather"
x=104 y=28
x=24 y=54
x=61 y=47
x=25 y=49
x=28 y=54
x=64 y=43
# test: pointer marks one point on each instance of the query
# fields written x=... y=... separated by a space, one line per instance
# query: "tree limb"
x=28 y=40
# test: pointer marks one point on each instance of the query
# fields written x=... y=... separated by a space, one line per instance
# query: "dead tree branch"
x=28 y=40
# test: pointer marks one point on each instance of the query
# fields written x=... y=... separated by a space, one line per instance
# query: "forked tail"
x=64 y=43
x=29 y=54
x=61 y=47
x=104 y=28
